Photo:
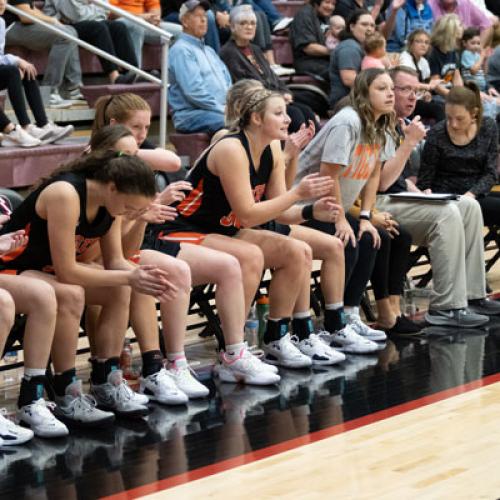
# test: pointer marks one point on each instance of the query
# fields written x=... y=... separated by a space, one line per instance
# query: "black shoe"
x=126 y=78
x=458 y=318
x=485 y=306
x=404 y=326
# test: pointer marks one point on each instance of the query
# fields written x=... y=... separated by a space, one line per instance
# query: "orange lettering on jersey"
x=363 y=162
x=192 y=201
x=231 y=219
x=82 y=244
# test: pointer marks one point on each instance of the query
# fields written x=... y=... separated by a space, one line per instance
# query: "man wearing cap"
x=199 y=80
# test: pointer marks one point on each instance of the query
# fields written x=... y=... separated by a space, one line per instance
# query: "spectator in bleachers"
x=199 y=80
x=413 y=15
x=451 y=231
x=62 y=73
x=310 y=53
x=345 y=8
x=443 y=58
x=472 y=58
x=332 y=36
x=150 y=11
x=470 y=15
x=375 y=54
x=92 y=25
x=19 y=78
x=170 y=12
x=246 y=60
x=460 y=154
x=345 y=61
x=262 y=37
x=493 y=74
x=414 y=57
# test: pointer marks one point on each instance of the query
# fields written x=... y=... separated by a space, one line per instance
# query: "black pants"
x=391 y=264
x=490 y=206
x=300 y=113
x=10 y=79
x=359 y=260
x=110 y=36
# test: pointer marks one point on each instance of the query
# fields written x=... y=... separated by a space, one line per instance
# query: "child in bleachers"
x=337 y=24
x=375 y=54
x=473 y=57
x=18 y=75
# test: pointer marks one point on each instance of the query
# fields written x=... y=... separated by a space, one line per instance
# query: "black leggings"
x=391 y=264
x=490 y=206
x=359 y=260
x=110 y=36
x=10 y=79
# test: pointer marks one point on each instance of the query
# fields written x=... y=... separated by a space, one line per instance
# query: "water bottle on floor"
x=252 y=329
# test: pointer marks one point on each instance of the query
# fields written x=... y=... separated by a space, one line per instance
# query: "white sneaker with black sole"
x=347 y=340
x=245 y=368
x=115 y=395
x=283 y=352
x=40 y=419
x=12 y=434
x=80 y=410
x=364 y=330
x=319 y=352
x=458 y=318
x=161 y=387
x=185 y=379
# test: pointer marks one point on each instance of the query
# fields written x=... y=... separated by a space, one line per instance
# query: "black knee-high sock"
x=276 y=329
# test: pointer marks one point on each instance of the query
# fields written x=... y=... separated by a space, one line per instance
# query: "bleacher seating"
x=191 y=145
x=288 y=7
x=20 y=167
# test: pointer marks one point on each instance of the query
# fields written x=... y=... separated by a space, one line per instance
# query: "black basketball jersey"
x=206 y=206
x=36 y=254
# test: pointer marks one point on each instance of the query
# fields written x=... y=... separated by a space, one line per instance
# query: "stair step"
x=150 y=92
x=21 y=167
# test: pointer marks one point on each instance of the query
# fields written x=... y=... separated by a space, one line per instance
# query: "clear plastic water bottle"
x=410 y=308
x=252 y=328
x=10 y=358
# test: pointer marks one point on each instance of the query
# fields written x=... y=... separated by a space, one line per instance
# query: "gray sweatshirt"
x=73 y=11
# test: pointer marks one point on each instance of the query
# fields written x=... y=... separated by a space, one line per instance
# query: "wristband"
x=307 y=212
x=365 y=215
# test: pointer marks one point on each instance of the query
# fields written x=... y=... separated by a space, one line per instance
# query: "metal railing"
x=163 y=82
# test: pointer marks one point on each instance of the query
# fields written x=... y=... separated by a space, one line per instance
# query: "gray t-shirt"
x=347 y=55
x=340 y=142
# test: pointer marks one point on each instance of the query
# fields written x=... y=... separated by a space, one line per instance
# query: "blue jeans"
x=211 y=38
x=266 y=6
x=198 y=120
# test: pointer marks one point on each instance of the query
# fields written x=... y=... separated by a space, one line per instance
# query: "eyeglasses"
x=406 y=91
x=247 y=23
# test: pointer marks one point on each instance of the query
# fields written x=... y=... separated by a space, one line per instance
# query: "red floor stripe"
x=247 y=458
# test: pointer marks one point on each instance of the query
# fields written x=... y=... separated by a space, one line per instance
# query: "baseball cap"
x=190 y=5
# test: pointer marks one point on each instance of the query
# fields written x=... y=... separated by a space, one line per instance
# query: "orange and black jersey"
x=206 y=208
x=36 y=254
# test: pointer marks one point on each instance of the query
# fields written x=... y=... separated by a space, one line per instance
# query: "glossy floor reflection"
x=235 y=420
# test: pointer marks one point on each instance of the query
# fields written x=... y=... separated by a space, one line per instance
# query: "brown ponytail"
x=118 y=107
x=468 y=96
